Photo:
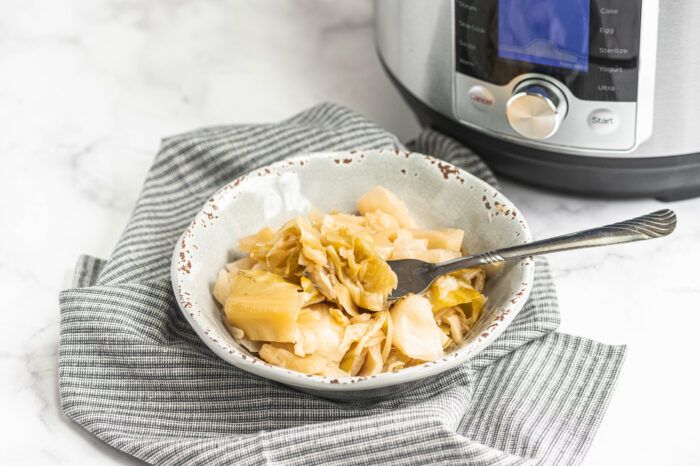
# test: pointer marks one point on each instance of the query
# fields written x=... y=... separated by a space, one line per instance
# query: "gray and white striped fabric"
x=133 y=373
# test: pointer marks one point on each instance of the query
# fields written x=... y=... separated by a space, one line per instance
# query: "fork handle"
x=653 y=225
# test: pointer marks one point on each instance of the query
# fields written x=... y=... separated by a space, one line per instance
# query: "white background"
x=87 y=89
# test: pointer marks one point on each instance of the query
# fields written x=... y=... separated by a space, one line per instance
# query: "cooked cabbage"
x=357 y=265
x=416 y=334
x=312 y=295
x=295 y=244
x=264 y=305
x=446 y=238
x=450 y=290
x=319 y=333
x=280 y=355
x=222 y=288
x=384 y=200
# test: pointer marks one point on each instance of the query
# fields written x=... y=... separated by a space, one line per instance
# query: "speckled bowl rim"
x=181 y=264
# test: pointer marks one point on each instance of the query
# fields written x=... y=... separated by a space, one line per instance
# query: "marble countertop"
x=88 y=89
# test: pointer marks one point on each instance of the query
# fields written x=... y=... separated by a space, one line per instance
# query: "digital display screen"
x=547 y=32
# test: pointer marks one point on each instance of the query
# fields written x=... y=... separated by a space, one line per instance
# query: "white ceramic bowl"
x=439 y=195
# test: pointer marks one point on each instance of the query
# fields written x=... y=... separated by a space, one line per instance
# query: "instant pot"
x=597 y=97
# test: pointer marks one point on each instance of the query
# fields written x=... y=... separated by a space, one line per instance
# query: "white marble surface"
x=87 y=89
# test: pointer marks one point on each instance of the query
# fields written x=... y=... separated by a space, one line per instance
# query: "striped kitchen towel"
x=133 y=373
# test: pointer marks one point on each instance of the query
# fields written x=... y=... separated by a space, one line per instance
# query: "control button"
x=472 y=26
x=615 y=30
x=480 y=98
x=603 y=121
x=612 y=83
x=536 y=109
x=469 y=46
x=467 y=5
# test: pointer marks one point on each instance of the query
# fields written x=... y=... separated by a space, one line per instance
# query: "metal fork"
x=415 y=276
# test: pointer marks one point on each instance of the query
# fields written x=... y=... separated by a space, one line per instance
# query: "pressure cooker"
x=597 y=97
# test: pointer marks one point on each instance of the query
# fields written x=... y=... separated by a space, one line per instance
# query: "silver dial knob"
x=536 y=109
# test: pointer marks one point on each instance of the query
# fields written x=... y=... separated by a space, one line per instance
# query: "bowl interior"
x=437 y=194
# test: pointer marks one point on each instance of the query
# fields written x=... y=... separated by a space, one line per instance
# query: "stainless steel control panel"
x=568 y=75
